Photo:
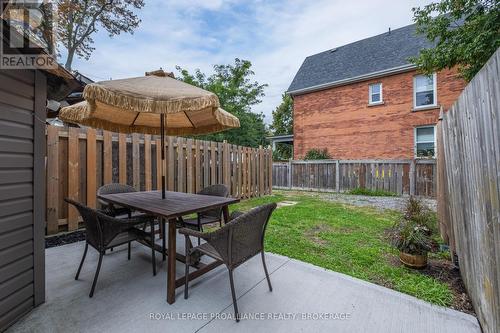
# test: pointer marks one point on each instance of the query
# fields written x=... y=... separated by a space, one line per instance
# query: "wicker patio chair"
x=118 y=211
x=110 y=208
x=233 y=244
x=103 y=232
x=210 y=216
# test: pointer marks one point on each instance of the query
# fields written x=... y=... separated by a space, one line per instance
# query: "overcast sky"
x=275 y=35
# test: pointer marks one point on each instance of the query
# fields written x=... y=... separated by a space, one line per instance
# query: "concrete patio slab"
x=129 y=299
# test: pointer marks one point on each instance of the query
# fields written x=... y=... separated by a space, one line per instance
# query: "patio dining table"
x=169 y=210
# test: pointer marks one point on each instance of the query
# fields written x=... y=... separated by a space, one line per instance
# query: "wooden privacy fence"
x=469 y=189
x=398 y=176
x=81 y=160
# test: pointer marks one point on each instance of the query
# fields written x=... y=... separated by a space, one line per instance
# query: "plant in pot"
x=412 y=234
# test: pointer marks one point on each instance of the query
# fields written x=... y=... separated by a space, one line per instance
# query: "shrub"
x=412 y=233
x=374 y=193
x=317 y=154
x=280 y=156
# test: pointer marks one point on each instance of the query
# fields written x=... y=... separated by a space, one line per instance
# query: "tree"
x=237 y=94
x=78 y=20
x=282 y=125
x=283 y=117
x=466 y=33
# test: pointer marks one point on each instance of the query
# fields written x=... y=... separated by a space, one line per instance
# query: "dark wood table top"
x=175 y=204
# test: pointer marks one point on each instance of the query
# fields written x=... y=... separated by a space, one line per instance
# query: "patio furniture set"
x=128 y=215
x=157 y=103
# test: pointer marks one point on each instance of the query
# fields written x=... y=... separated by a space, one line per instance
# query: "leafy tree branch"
x=466 y=33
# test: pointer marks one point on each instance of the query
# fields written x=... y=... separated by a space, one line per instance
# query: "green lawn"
x=349 y=240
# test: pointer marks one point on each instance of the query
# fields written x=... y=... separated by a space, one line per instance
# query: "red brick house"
x=365 y=100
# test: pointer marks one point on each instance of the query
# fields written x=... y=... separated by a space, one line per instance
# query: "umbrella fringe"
x=97 y=92
x=79 y=114
x=74 y=114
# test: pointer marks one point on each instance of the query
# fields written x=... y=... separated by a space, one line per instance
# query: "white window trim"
x=370 y=102
x=415 y=142
x=435 y=104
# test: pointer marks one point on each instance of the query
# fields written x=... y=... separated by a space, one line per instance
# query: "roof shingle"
x=378 y=53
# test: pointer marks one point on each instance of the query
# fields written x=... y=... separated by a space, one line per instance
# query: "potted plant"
x=412 y=234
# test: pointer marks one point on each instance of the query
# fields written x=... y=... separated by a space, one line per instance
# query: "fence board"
x=107 y=157
x=158 y=163
x=148 y=182
x=261 y=169
x=52 y=179
x=213 y=163
x=469 y=189
x=241 y=191
x=73 y=176
x=252 y=171
x=181 y=160
x=189 y=166
x=198 y=167
x=136 y=172
x=226 y=172
x=122 y=158
x=220 y=179
x=170 y=164
x=245 y=172
x=91 y=167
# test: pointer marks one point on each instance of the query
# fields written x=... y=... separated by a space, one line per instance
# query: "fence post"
x=337 y=176
x=289 y=180
x=412 y=177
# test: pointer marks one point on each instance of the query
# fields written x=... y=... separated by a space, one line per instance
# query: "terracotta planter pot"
x=413 y=260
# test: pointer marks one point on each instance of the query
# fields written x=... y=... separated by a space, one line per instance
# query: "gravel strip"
x=64 y=238
x=380 y=203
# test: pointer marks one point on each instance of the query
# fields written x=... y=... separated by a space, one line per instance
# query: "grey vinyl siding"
x=22 y=142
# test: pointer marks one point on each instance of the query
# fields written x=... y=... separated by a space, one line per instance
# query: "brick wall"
x=340 y=119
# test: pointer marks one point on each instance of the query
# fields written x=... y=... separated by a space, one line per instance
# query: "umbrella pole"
x=163 y=166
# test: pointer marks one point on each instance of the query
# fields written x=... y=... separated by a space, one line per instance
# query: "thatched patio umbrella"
x=153 y=104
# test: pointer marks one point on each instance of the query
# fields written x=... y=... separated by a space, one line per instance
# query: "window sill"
x=375 y=104
x=425 y=108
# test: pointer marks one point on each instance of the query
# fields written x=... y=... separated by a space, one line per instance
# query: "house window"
x=425 y=141
x=424 y=91
x=375 y=93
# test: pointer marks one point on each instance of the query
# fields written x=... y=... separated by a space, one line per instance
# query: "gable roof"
x=367 y=58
